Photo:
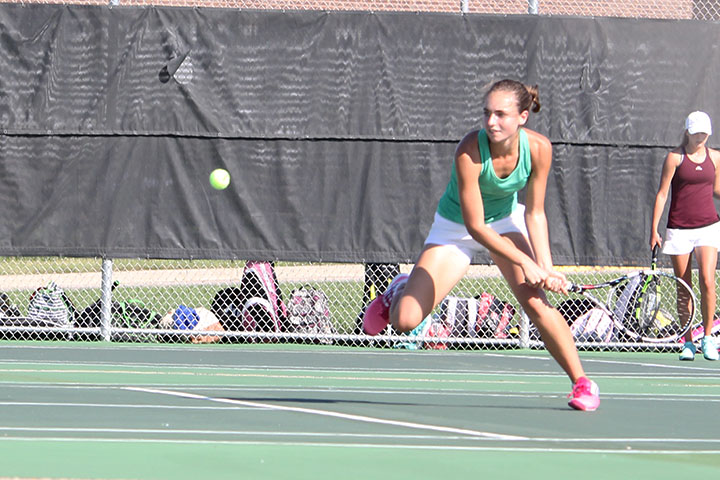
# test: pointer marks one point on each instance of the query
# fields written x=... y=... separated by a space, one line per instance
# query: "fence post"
x=533 y=7
x=464 y=6
x=106 y=299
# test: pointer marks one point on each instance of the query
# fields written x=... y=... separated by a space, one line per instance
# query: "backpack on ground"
x=126 y=314
x=308 y=312
x=483 y=316
x=50 y=307
x=595 y=325
x=91 y=316
x=207 y=322
x=573 y=308
x=197 y=319
x=10 y=316
x=256 y=305
x=134 y=314
x=228 y=305
x=7 y=308
x=627 y=300
x=436 y=334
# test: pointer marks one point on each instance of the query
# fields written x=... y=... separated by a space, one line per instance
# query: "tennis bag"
x=627 y=300
x=135 y=314
x=7 y=308
x=197 y=319
x=127 y=314
x=50 y=306
x=595 y=325
x=436 y=335
x=256 y=305
x=308 y=312
x=483 y=316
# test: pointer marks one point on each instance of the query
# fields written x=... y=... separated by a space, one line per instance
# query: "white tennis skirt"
x=447 y=232
x=681 y=241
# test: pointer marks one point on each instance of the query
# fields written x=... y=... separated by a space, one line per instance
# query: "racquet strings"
x=663 y=309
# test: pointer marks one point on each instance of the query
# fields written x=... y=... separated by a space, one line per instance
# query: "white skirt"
x=447 y=232
x=681 y=241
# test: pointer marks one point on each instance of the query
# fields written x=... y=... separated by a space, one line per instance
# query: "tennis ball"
x=219 y=179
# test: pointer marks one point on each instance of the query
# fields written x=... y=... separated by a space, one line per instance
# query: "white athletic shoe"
x=688 y=352
x=709 y=348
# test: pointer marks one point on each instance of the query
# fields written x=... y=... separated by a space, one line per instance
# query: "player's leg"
x=682 y=268
x=410 y=299
x=707 y=259
x=553 y=328
x=438 y=269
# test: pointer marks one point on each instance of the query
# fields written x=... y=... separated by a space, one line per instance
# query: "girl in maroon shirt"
x=692 y=173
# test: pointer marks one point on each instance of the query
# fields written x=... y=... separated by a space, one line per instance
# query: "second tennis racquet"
x=646 y=305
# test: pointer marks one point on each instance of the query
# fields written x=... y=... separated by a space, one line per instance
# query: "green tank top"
x=499 y=194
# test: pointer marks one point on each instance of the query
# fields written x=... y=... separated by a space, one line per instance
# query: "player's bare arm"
x=715 y=158
x=671 y=163
x=535 y=218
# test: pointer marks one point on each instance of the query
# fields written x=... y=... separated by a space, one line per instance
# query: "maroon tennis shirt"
x=691 y=204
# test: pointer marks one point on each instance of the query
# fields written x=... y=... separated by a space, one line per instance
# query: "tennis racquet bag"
x=308 y=312
x=483 y=316
x=256 y=305
x=50 y=306
x=595 y=325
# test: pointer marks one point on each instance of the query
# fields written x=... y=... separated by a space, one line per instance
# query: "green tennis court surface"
x=270 y=411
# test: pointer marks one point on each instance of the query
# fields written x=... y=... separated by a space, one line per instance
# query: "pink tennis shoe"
x=585 y=395
x=377 y=314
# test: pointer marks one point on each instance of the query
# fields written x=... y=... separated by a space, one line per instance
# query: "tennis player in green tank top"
x=480 y=210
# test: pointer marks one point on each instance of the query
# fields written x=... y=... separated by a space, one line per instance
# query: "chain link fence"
x=668 y=9
x=203 y=301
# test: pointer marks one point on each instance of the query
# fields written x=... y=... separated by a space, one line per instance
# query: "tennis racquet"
x=646 y=305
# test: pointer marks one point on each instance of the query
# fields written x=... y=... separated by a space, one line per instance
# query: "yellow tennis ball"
x=219 y=179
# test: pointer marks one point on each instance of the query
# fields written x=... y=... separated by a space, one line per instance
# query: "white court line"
x=345 y=354
x=639 y=396
x=120 y=405
x=687 y=367
x=283 y=368
x=394 y=353
x=235 y=432
x=438 y=375
x=321 y=351
x=328 y=413
x=624 y=397
x=610 y=440
x=382 y=446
